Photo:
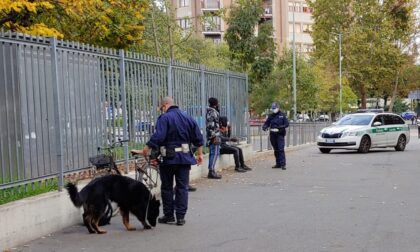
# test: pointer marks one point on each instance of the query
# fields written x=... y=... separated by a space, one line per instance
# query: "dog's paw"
x=101 y=231
x=147 y=227
x=130 y=228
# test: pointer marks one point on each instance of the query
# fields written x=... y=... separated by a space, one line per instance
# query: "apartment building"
x=189 y=14
x=280 y=14
x=203 y=16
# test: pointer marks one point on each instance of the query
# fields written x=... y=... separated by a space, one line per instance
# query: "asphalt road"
x=342 y=201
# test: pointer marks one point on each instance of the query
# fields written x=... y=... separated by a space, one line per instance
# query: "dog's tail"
x=74 y=195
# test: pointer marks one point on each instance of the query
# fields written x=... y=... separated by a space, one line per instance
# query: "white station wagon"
x=364 y=131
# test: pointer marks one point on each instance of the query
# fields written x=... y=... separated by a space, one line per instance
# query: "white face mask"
x=275 y=110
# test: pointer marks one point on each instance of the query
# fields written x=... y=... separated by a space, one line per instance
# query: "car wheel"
x=364 y=145
x=325 y=150
x=401 y=143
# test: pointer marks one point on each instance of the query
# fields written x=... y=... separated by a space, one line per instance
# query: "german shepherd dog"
x=130 y=195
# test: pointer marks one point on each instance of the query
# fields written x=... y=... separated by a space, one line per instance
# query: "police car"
x=364 y=131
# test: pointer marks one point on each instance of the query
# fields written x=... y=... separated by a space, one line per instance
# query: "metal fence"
x=296 y=134
x=60 y=100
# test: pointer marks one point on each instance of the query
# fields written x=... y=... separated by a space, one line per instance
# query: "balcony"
x=210 y=5
x=268 y=11
x=212 y=29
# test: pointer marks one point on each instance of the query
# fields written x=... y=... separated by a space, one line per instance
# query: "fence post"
x=124 y=107
x=228 y=96
x=57 y=113
x=247 y=113
x=170 y=86
x=203 y=101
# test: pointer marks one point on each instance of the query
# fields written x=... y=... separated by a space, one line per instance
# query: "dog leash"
x=147 y=208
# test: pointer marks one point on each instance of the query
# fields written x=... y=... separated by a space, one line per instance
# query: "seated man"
x=226 y=148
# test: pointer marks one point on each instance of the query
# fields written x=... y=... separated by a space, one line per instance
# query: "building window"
x=299 y=7
x=184 y=3
x=295 y=6
x=307 y=28
x=212 y=24
x=298 y=28
x=184 y=23
x=306 y=9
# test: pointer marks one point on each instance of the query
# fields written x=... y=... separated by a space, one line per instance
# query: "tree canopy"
x=375 y=35
x=111 y=23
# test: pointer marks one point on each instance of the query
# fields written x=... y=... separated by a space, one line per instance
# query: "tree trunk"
x=363 y=97
x=394 y=94
x=385 y=101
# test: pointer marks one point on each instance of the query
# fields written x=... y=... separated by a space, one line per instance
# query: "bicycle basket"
x=100 y=161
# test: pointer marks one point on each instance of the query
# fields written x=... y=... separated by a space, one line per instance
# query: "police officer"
x=175 y=132
x=277 y=123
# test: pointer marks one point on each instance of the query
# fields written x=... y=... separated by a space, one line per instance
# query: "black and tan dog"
x=130 y=195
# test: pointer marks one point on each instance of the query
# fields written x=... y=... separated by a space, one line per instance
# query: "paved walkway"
x=343 y=201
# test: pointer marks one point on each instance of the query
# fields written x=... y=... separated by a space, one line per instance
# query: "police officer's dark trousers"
x=177 y=203
x=277 y=141
x=236 y=151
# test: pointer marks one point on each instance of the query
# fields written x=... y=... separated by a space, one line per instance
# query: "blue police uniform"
x=173 y=129
x=277 y=123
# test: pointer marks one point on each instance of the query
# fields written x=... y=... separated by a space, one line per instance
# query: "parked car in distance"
x=322 y=118
x=303 y=118
x=363 y=131
x=408 y=115
x=144 y=126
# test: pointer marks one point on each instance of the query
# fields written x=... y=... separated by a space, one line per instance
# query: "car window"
x=388 y=120
x=397 y=120
x=378 y=118
x=355 y=120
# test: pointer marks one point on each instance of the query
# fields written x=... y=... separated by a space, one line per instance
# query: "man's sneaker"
x=166 y=219
x=180 y=222
x=283 y=167
x=276 y=167
x=192 y=189
x=246 y=168
x=239 y=169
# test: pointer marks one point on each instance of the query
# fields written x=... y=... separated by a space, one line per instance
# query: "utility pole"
x=340 y=59
x=169 y=20
x=294 y=65
x=341 y=84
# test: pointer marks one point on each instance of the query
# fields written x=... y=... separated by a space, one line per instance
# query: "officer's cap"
x=274 y=105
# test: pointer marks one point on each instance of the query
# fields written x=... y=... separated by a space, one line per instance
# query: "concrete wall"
x=34 y=217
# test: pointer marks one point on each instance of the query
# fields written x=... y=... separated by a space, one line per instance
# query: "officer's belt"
x=274 y=130
x=185 y=148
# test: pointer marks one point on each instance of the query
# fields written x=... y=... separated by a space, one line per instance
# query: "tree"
x=279 y=86
x=23 y=16
x=110 y=23
x=327 y=80
x=373 y=35
x=242 y=19
x=262 y=66
x=254 y=54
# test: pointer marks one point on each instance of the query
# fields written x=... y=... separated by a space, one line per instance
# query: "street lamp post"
x=341 y=84
x=294 y=66
x=340 y=58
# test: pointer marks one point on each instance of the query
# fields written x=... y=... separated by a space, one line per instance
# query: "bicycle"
x=146 y=168
x=104 y=164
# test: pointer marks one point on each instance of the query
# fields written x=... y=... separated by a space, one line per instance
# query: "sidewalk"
x=343 y=201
